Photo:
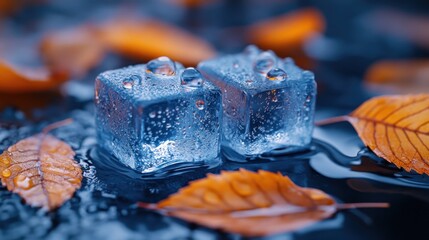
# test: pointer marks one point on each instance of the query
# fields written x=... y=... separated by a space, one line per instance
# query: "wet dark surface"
x=337 y=162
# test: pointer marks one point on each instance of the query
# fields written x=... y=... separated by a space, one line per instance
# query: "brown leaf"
x=148 y=39
x=41 y=170
x=399 y=76
x=74 y=50
x=14 y=79
x=287 y=32
x=396 y=128
x=248 y=203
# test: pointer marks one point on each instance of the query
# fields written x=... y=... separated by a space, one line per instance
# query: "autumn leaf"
x=403 y=76
x=41 y=170
x=17 y=79
x=249 y=203
x=147 y=39
x=75 y=50
x=288 y=30
x=395 y=128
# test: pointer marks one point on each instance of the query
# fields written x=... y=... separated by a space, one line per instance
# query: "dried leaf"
x=287 y=31
x=148 y=39
x=14 y=79
x=250 y=204
x=41 y=170
x=396 y=128
x=74 y=50
x=399 y=76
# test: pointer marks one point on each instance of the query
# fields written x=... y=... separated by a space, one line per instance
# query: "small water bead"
x=251 y=50
x=264 y=62
x=23 y=182
x=5 y=160
x=162 y=66
x=242 y=188
x=200 y=104
x=289 y=60
x=191 y=78
x=152 y=114
x=276 y=74
x=235 y=65
x=211 y=197
x=6 y=173
x=129 y=83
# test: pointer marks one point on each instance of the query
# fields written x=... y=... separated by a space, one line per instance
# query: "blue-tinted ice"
x=268 y=102
x=153 y=115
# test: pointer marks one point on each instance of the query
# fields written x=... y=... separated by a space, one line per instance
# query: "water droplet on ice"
x=276 y=74
x=191 y=78
x=200 y=104
x=251 y=50
x=128 y=83
x=235 y=65
x=264 y=62
x=162 y=66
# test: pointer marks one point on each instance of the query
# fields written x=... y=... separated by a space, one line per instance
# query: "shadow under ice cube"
x=158 y=114
x=268 y=102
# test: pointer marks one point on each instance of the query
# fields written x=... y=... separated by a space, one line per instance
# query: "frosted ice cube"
x=153 y=115
x=268 y=102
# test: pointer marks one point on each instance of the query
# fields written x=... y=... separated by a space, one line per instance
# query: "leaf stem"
x=338 y=119
x=55 y=125
x=362 y=205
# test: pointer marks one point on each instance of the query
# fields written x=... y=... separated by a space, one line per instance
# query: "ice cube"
x=150 y=116
x=268 y=102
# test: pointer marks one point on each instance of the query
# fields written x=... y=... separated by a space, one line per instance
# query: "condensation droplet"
x=235 y=65
x=23 y=182
x=242 y=188
x=264 y=62
x=129 y=83
x=276 y=74
x=6 y=173
x=211 y=198
x=73 y=180
x=191 y=78
x=5 y=160
x=200 y=104
x=162 y=66
x=249 y=82
x=152 y=114
x=251 y=50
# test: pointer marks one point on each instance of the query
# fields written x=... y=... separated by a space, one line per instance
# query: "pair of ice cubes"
x=158 y=114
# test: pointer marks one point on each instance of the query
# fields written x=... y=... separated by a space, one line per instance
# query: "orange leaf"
x=15 y=79
x=148 y=39
x=287 y=31
x=41 y=170
x=407 y=76
x=248 y=203
x=75 y=50
x=396 y=128
x=251 y=204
